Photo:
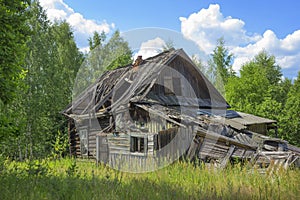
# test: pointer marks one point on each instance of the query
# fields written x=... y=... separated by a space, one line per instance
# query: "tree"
x=199 y=64
x=14 y=32
x=51 y=63
x=259 y=81
x=118 y=52
x=259 y=90
x=97 y=40
x=168 y=45
x=268 y=64
x=244 y=93
x=107 y=55
x=220 y=68
x=290 y=123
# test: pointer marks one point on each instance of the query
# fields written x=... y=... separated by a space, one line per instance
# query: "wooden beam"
x=228 y=141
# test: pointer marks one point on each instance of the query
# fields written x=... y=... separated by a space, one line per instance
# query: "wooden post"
x=69 y=134
x=225 y=160
x=97 y=150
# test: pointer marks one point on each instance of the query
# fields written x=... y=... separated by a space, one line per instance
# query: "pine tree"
x=220 y=68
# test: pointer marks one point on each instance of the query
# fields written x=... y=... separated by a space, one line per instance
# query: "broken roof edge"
x=69 y=107
x=185 y=56
x=165 y=58
x=254 y=119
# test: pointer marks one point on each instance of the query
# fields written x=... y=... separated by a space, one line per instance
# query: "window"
x=138 y=144
x=83 y=142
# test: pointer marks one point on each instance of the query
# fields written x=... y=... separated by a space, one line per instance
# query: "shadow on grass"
x=55 y=187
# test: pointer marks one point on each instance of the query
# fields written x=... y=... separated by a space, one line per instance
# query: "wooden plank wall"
x=93 y=127
x=120 y=143
x=258 y=128
x=173 y=142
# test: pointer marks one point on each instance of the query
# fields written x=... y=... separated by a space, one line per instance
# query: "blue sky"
x=247 y=27
x=281 y=16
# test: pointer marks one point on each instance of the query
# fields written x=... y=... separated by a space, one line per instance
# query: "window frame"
x=83 y=136
x=138 y=144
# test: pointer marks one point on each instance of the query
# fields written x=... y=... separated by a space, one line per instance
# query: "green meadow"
x=77 y=179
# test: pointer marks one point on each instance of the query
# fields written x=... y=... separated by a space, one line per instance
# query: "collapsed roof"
x=133 y=84
x=137 y=84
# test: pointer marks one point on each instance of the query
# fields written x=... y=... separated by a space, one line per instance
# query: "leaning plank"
x=195 y=145
x=226 y=158
x=288 y=161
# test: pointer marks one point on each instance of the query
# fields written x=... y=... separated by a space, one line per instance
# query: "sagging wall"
x=83 y=138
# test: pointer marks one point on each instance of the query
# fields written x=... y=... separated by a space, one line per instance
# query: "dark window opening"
x=138 y=144
x=164 y=137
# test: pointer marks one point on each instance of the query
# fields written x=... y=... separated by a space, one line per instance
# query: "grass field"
x=71 y=179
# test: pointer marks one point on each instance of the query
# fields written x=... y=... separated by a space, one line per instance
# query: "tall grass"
x=75 y=179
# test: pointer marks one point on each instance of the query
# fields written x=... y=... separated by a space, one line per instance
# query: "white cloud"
x=56 y=9
x=285 y=50
x=150 y=48
x=86 y=26
x=85 y=50
x=208 y=25
x=54 y=14
x=83 y=28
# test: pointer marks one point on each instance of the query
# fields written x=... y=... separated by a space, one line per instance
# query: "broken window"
x=83 y=142
x=138 y=144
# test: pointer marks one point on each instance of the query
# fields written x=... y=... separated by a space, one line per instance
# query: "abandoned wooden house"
x=162 y=106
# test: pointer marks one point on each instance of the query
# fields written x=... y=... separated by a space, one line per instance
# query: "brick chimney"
x=137 y=62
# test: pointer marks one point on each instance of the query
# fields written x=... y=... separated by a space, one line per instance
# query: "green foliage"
x=30 y=123
x=104 y=55
x=258 y=88
x=97 y=40
x=117 y=51
x=39 y=70
x=37 y=168
x=220 y=68
x=60 y=145
x=290 y=123
x=72 y=168
x=14 y=32
x=180 y=180
x=268 y=64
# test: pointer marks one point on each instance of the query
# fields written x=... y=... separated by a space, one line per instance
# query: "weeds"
x=73 y=179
